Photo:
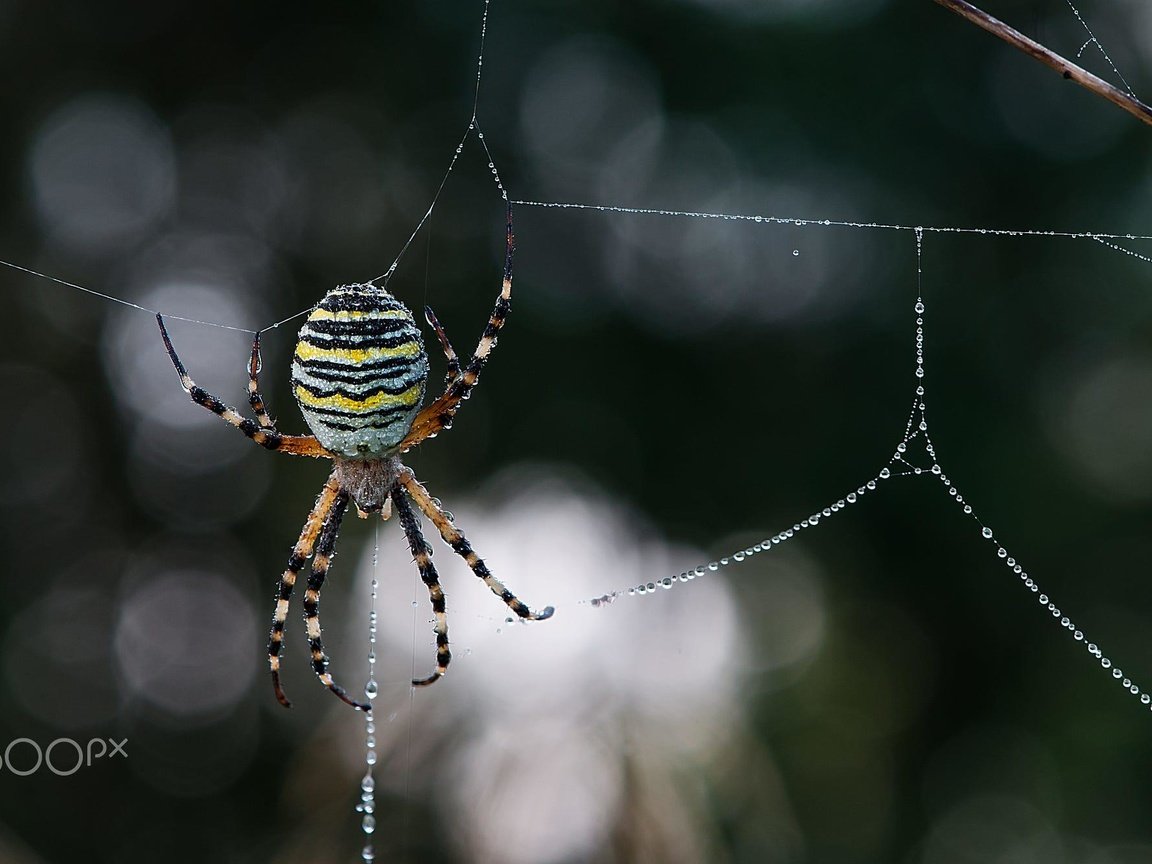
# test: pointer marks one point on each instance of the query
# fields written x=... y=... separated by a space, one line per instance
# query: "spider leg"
x=297 y=445
x=254 y=397
x=460 y=545
x=453 y=371
x=422 y=553
x=320 y=564
x=301 y=552
x=437 y=415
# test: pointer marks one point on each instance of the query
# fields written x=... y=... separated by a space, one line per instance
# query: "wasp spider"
x=359 y=374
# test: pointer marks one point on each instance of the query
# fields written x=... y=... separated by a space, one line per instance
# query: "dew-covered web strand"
x=367 y=804
x=1102 y=237
x=473 y=127
x=830 y=223
x=1092 y=40
x=1119 y=248
x=915 y=428
x=101 y=295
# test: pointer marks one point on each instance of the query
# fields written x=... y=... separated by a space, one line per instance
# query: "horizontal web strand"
x=792 y=220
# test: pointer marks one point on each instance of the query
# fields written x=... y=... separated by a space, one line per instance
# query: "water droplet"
x=885 y=473
x=919 y=307
x=371 y=688
x=795 y=253
x=368 y=824
x=713 y=566
x=987 y=532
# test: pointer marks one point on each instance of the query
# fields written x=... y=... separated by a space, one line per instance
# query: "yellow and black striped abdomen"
x=359 y=371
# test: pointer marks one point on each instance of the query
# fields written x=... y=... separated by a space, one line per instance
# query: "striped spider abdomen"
x=359 y=371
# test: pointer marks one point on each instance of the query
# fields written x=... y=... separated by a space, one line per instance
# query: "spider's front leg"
x=254 y=398
x=264 y=433
x=437 y=415
x=453 y=370
x=455 y=538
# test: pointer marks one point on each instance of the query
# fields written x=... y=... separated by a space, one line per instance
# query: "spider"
x=359 y=373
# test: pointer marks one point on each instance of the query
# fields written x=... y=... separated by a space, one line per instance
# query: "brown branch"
x=1049 y=58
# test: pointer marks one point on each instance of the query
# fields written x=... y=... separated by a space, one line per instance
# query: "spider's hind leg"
x=422 y=554
x=320 y=564
x=301 y=552
x=455 y=538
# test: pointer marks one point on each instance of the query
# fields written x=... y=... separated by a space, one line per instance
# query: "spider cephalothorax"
x=359 y=373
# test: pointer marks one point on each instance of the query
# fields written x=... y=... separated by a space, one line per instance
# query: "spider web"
x=902 y=464
x=914 y=456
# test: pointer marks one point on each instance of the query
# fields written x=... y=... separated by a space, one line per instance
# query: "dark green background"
x=720 y=426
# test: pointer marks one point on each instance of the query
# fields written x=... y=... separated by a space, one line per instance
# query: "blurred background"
x=667 y=390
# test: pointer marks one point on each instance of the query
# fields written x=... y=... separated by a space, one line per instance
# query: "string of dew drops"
x=367 y=805
x=912 y=431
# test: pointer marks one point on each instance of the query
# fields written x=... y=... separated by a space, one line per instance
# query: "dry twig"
x=1050 y=58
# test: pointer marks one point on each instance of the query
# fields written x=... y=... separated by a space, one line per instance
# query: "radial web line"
x=1092 y=40
x=902 y=463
